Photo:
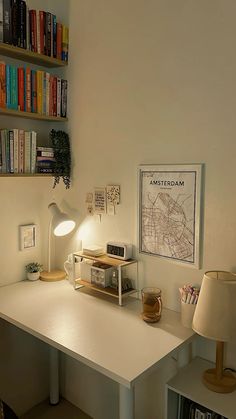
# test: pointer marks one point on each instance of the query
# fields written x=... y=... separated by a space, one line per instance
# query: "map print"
x=167 y=214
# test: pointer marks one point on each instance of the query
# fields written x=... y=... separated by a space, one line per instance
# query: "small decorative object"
x=152 y=304
x=33 y=270
x=169 y=212
x=101 y=274
x=215 y=318
x=189 y=297
x=119 y=250
x=27 y=236
x=61 y=147
x=100 y=201
x=89 y=203
x=113 y=198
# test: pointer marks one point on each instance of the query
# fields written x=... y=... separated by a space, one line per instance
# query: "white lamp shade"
x=215 y=313
x=61 y=223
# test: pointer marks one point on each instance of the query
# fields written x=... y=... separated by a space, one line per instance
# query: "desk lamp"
x=214 y=318
x=61 y=225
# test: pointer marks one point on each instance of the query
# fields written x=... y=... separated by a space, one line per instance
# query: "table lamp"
x=214 y=318
x=60 y=225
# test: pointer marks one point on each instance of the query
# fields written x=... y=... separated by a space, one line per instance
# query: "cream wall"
x=153 y=82
x=150 y=82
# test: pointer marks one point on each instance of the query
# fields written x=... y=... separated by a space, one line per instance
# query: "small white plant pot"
x=33 y=276
x=187 y=313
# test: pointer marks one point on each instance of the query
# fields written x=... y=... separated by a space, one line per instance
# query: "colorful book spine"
x=33 y=30
x=14 y=88
x=8 y=86
x=48 y=33
x=27 y=152
x=64 y=98
x=47 y=76
x=21 y=152
x=58 y=97
x=42 y=31
x=16 y=150
x=2 y=85
x=21 y=24
x=59 y=41
x=54 y=102
x=39 y=91
x=28 y=89
x=54 y=36
x=33 y=91
x=21 y=88
x=38 y=31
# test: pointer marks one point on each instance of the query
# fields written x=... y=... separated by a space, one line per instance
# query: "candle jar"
x=152 y=304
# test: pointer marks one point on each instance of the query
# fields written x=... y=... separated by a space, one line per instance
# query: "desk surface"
x=110 y=339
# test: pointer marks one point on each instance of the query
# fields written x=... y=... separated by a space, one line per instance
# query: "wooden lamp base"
x=52 y=276
x=217 y=379
x=225 y=384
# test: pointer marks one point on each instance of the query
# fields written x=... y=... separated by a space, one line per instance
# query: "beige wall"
x=150 y=82
x=153 y=82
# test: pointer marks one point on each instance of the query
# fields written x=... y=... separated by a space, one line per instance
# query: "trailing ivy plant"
x=61 y=147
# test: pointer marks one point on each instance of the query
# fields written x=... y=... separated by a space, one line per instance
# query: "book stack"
x=37 y=91
x=35 y=30
x=17 y=151
x=45 y=161
x=192 y=410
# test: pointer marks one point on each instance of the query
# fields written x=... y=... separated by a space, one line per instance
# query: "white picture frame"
x=27 y=235
x=169 y=212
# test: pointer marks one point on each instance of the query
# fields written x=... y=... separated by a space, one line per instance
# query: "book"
x=54 y=96
x=42 y=31
x=39 y=78
x=28 y=89
x=58 y=97
x=48 y=33
x=21 y=88
x=47 y=93
x=33 y=91
x=11 y=151
x=27 y=152
x=59 y=40
x=2 y=85
x=54 y=36
x=1 y=20
x=7 y=33
x=21 y=24
x=15 y=25
x=33 y=30
x=63 y=98
x=3 y=151
x=8 y=86
x=21 y=144
x=15 y=150
x=64 y=50
x=14 y=88
x=33 y=151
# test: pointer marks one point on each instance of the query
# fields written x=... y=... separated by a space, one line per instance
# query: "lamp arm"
x=49 y=245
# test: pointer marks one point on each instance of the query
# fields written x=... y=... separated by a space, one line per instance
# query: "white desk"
x=110 y=339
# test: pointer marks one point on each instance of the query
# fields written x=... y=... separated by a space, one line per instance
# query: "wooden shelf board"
x=108 y=290
x=106 y=259
x=31 y=115
x=29 y=56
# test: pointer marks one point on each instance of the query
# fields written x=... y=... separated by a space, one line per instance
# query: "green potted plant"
x=61 y=147
x=33 y=270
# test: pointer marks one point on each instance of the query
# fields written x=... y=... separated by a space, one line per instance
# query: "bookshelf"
x=188 y=384
x=30 y=57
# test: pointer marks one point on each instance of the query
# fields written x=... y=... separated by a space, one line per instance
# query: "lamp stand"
x=217 y=379
x=55 y=275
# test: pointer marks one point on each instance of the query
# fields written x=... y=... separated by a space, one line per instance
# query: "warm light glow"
x=65 y=227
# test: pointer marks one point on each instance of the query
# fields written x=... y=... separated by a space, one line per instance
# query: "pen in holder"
x=189 y=298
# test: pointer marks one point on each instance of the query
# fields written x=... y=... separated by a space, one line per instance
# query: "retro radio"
x=119 y=250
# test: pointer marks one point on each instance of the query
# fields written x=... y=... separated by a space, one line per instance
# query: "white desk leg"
x=54 y=375
x=126 y=403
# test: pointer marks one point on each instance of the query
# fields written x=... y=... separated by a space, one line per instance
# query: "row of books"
x=35 y=30
x=192 y=410
x=24 y=89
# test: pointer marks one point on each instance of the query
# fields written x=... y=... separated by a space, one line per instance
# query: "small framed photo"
x=27 y=236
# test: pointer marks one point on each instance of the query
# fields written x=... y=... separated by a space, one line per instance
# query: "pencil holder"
x=187 y=312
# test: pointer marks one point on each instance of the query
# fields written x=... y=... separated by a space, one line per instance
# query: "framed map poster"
x=169 y=211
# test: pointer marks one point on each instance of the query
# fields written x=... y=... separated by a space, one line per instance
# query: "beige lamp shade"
x=215 y=313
